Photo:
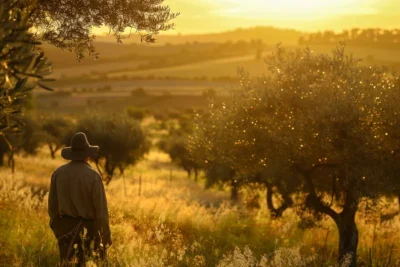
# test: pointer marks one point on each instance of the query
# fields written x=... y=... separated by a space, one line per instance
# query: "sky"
x=202 y=16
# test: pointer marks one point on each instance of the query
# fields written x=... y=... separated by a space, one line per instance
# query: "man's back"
x=75 y=183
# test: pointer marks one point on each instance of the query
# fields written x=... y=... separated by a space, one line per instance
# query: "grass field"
x=169 y=220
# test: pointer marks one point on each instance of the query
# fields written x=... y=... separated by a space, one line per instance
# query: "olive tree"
x=27 y=140
x=56 y=131
x=121 y=140
x=176 y=144
x=177 y=148
x=212 y=144
x=68 y=24
x=321 y=127
x=23 y=66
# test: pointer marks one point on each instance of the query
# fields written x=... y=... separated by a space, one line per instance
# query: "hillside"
x=269 y=35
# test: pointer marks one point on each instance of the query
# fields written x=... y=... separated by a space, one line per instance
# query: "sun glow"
x=292 y=9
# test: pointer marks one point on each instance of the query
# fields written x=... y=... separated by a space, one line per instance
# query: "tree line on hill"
x=370 y=37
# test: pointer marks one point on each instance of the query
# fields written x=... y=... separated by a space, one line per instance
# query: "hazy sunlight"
x=292 y=9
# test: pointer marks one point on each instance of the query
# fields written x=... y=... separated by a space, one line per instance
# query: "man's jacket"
x=77 y=190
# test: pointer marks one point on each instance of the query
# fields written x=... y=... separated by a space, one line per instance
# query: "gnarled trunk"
x=345 y=221
x=277 y=212
x=348 y=239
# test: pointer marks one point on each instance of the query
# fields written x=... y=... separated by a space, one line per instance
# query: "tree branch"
x=287 y=202
x=313 y=201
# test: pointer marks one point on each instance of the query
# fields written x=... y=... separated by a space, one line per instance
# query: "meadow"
x=169 y=220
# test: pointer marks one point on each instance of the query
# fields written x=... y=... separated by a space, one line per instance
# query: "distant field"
x=84 y=81
x=124 y=87
x=212 y=68
x=94 y=69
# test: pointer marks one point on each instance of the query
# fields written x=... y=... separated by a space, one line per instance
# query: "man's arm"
x=101 y=211
x=53 y=201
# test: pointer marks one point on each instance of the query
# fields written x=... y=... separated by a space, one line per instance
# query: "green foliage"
x=22 y=66
x=68 y=24
x=121 y=140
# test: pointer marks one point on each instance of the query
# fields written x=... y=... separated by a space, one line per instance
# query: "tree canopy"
x=68 y=24
x=321 y=129
x=122 y=142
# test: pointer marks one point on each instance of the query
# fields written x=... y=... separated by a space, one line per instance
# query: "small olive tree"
x=176 y=144
x=177 y=148
x=27 y=140
x=122 y=142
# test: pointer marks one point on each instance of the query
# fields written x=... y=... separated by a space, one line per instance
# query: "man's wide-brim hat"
x=80 y=148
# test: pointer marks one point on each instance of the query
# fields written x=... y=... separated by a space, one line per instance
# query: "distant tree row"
x=121 y=139
x=372 y=37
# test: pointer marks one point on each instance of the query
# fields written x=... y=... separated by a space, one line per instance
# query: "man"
x=78 y=206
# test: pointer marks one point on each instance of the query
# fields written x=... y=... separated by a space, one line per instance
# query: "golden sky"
x=200 y=16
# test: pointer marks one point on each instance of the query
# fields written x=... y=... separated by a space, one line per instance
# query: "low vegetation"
x=168 y=220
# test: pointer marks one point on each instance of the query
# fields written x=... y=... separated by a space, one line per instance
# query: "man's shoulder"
x=80 y=167
x=60 y=169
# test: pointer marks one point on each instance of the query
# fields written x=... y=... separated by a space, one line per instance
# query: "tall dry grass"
x=168 y=220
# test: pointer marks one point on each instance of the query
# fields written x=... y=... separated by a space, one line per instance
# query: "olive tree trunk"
x=348 y=239
x=234 y=191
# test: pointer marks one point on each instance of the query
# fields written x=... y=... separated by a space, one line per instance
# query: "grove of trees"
x=321 y=131
x=371 y=37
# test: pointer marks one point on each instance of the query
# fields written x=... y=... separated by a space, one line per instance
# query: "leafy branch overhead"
x=68 y=24
x=22 y=65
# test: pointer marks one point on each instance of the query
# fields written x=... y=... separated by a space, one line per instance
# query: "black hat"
x=80 y=148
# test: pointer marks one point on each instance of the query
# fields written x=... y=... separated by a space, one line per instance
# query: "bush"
x=136 y=113
x=139 y=92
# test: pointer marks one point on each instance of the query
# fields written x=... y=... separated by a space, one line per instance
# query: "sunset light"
x=290 y=9
x=200 y=133
x=306 y=15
